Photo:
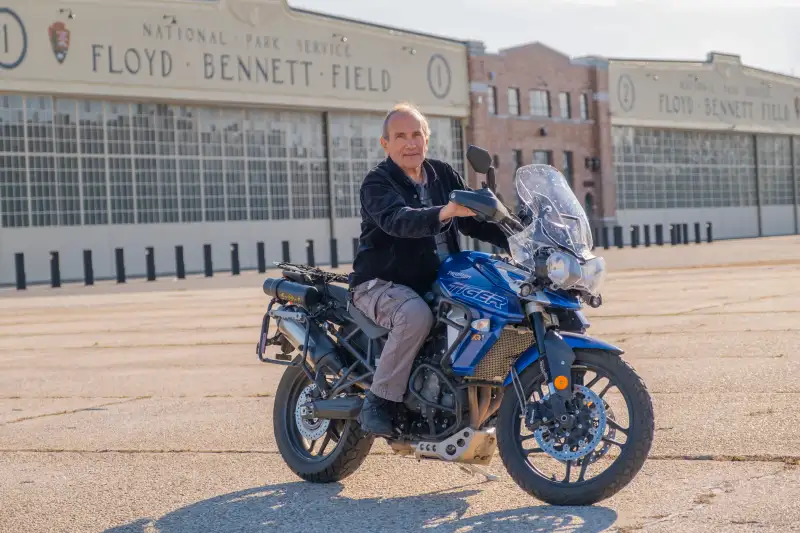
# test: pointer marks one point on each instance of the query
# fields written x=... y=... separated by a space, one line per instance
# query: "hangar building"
x=161 y=124
x=705 y=141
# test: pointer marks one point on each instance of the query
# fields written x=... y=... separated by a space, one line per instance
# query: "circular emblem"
x=626 y=92
x=439 y=76
x=13 y=39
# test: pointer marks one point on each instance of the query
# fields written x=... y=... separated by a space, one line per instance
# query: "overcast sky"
x=765 y=33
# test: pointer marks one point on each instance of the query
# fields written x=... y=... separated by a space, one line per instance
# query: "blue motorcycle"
x=507 y=365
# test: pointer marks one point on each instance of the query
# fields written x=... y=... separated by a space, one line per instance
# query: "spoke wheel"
x=592 y=452
x=317 y=450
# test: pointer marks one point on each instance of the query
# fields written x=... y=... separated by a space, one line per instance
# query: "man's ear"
x=384 y=143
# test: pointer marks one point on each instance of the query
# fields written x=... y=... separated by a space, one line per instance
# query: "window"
x=491 y=100
x=539 y=103
x=564 y=104
x=516 y=157
x=67 y=162
x=542 y=157
x=513 y=101
x=568 y=169
x=667 y=169
x=584 y=106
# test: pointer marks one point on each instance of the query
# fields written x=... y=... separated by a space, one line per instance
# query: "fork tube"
x=539 y=331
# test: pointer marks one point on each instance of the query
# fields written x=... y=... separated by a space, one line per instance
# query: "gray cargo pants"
x=409 y=319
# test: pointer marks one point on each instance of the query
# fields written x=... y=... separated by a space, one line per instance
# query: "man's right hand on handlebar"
x=454 y=210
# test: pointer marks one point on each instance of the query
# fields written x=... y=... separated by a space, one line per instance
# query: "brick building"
x=533 y=104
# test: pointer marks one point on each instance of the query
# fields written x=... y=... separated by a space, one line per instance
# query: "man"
x=408 y=227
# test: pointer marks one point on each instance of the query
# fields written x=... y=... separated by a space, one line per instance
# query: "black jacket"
x=397 y=232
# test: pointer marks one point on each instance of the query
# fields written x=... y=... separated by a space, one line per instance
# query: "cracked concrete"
x=143 y=409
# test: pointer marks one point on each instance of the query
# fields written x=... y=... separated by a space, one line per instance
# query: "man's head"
x=405 y=136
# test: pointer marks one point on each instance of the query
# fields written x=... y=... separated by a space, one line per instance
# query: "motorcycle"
x=507 y=363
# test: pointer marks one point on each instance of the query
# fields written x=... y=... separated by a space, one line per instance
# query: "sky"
x=763 y=32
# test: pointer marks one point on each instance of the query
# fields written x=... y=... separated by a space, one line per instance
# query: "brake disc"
x=314 y=428
x=598 y=414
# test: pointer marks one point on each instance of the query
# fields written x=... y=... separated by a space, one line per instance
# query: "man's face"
x=407 y=145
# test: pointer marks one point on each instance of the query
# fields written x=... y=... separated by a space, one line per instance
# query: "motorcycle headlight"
x=563 y=270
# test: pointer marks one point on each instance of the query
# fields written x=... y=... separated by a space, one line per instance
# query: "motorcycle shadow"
x=307 y=507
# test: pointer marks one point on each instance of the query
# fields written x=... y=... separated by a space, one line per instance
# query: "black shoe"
x=376 y=415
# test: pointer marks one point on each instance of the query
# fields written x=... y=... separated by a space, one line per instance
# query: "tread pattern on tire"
x=587 y=495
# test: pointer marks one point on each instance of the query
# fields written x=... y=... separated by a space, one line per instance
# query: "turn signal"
x=561 y=382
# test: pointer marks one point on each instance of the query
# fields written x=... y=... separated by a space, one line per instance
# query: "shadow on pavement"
x=308 y=508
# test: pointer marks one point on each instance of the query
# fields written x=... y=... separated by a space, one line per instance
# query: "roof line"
x=744 y=66
x=380 y=26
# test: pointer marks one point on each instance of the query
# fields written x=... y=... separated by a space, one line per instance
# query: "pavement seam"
x=789 y=460
x=149 y=396
x=73 y=411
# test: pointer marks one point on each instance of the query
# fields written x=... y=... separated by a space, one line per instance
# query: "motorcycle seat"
x=370 y=328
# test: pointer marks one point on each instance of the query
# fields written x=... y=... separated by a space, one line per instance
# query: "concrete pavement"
x=143 y=409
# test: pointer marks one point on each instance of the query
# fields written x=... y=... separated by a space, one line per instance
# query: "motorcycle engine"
x=425 y=419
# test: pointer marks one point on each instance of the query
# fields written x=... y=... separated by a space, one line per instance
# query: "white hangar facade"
x=705 y=141
x=135 y=125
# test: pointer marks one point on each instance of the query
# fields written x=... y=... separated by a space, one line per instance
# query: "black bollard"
x=88 y=269
x=310 y=252
x=19 y=262
x=334 y=254
x=618 y=236
x=660 y=234
x=150 y=257
x=676 y=237
x=209 y=265
x=606 y=241
x=262 y=260
x=355 y=247
x=686 y=234
x=647 y=235
x=234 y=259
x=697 y=239
x=55 y=270
x=286 y=255
x=708 y=232
x=180 y=266
x=634 y=236
x=120 y=257
x=476 y=245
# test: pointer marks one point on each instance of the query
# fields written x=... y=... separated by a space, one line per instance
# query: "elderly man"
x=408 y=227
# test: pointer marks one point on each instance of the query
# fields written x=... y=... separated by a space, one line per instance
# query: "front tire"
x=624 y=468
x=351 y=445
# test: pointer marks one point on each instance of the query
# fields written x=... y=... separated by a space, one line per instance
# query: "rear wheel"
x=594 y=438
x=319 y=450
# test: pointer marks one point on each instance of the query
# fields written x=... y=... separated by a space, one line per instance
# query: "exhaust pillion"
x=507 y=365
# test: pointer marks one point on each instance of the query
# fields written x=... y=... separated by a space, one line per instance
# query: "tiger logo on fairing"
x=477 y=295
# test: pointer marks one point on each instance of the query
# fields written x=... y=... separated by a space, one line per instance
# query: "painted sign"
x=238 y=51
x=721 y=93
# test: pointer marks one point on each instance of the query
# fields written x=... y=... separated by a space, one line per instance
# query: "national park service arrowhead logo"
x=59 y=40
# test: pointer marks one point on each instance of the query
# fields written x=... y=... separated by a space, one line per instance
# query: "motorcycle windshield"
x=558 y=219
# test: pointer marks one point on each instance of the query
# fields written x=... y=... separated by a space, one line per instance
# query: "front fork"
x=555 y=362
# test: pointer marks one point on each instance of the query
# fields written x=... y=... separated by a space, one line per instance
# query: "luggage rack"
x=314 y=274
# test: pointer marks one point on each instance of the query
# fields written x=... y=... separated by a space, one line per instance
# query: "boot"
x=376 y=415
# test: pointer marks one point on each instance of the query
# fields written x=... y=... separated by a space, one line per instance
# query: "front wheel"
x=592 y=453
x=318 y=450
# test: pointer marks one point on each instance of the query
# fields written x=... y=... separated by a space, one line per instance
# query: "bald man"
x=408 y=227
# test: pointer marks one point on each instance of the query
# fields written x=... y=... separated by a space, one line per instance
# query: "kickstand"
x=472 y=469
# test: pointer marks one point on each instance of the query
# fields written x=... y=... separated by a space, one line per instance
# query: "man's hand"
x=454 y=210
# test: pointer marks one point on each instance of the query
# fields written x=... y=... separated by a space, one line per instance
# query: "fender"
x=573 y=340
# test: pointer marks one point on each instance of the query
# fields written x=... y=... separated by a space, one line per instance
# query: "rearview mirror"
x=479 y=159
